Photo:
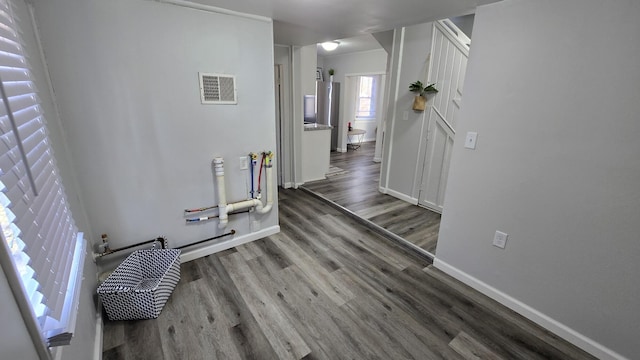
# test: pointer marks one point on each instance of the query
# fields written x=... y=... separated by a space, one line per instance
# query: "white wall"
x=362 y=62
x=385 y=39
x=464 y=23
x=557 y=167
x=402 y=155
x=308 y=63
x=320 y=64
x=368 y=125
x=304 y=83
x=125 y=75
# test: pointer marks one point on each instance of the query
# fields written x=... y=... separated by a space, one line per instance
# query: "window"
x=366 y=101
x=38 y=231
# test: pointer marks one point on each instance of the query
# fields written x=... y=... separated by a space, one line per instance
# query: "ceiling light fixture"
x=330 y=45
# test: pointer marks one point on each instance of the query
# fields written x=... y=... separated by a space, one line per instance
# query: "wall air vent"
x=217 y=89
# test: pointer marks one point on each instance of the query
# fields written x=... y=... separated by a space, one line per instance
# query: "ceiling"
x=306 y=22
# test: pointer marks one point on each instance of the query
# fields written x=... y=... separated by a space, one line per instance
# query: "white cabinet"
x=316 y=144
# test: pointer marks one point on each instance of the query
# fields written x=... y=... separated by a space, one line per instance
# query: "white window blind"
x=37 y=225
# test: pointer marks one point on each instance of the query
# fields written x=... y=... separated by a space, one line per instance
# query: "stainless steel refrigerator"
x=328 y=107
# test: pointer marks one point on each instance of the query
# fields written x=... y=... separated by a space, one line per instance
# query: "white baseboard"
x=594 y=348
x=314 y=179
x=297 y=185
x=97 y=347
x=400 y=196
x=235 y=241
x=287 y=185
x=341 y=150
x=377 y=159
x=432 y=207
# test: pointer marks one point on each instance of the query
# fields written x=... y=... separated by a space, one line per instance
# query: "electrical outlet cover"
x=470 y=141
x=500 y=239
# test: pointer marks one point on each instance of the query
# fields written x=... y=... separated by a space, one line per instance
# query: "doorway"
x=364 y=110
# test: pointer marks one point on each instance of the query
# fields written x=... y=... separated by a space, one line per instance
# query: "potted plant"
x=331 y=72
x=419 y=102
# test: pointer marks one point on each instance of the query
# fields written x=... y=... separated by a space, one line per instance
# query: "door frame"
x=285 y=139
x=279 y=98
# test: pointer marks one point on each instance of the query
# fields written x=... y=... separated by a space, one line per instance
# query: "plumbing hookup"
x=255 y=202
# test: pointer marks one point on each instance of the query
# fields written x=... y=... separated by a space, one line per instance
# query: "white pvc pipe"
x=260 y=209
x=218 y=166
x=224 y=209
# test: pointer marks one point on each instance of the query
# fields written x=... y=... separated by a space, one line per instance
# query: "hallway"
x=356 y=188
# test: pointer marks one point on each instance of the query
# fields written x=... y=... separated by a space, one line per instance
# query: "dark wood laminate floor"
x=357 y=190
x=326 y=287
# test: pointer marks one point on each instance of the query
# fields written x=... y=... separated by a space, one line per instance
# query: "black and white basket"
x=141 y=285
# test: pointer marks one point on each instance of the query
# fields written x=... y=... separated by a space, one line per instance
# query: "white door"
x=436 y=163
x=449 y=53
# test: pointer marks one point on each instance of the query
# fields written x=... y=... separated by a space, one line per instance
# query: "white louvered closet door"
x=449 y=54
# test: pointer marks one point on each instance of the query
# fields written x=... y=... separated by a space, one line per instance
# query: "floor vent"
x=217 y=89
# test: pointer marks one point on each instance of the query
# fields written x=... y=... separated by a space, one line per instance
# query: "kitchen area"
x=320 y=136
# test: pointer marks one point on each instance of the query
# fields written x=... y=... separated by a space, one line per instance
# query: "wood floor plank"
x=251 y=341
x=176 y=332
x=392 y=322
x=347 y=338
x=249 y=251
x=286 y=342
x=223 y=291
x=270 y=250
x=299 y=300
x=340 y=228
x=202 y=325
x=509 y=344
x=471 y=349
x=113 y=335
x=432 y=314
x=324 y=280
x=114 y=353
x=373 y=211
x=143 y=341
x=305 y=227
x=311 y=246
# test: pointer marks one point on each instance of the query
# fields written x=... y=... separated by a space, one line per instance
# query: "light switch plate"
x=500 y=239
x=244 y=163
x=470 y=141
